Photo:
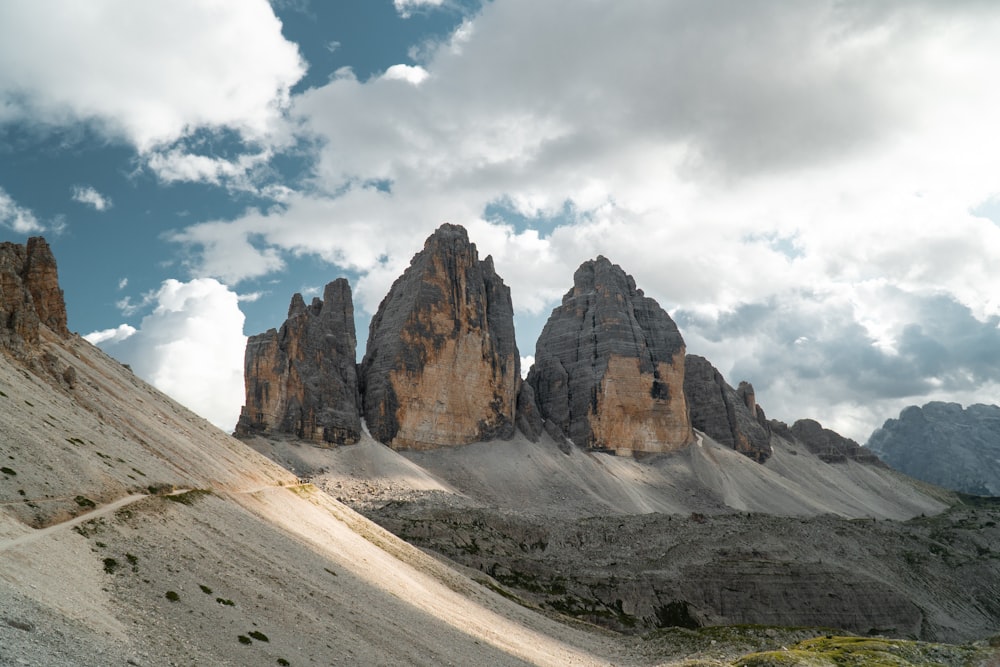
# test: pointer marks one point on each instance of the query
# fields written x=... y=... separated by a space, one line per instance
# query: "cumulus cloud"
x=411 y=74
x=814 y=168
x=190 y=347
x=146 y=72
x=87 y=194
x=16 y=217
x=115 y=335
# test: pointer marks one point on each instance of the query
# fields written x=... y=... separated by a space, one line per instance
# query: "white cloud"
x=176 y=165
x=190 y=347
x=116 y=335
x=817 y=158
x=404 y=7
x=123 y=283
x=412 y=74
x=148 y=72
x=86 y=194
x=16 y=217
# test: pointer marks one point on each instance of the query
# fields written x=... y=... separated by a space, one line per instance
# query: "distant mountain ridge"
x=944 y=444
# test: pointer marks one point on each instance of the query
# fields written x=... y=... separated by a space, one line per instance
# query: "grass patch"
x=85 y=502
x=172 y=596
x=110 y=565
x=188 y=497
x=7 y=471
x=243 y=639
x=259 y=636
x=224 y=602
x=865 y=652
x=205 y=589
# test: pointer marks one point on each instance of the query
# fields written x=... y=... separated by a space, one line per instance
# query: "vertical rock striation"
x=729 y=416
x=441 y=367
x=302 y=380
x=609 y=366
x=30 y=296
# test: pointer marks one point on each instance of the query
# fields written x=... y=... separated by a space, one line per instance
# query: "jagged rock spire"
x=609 y=366
x=302 y=380
x=441 y=366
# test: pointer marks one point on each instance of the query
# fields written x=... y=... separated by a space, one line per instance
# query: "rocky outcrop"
x=30 y=296
x=302 y=380
x=944 y=444
x=441 y=367
x=609 y=366
x=729 y=416
x=825 y=443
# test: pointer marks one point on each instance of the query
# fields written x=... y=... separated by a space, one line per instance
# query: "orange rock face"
x=441 y=366
x=29 y=294
x=302 y=379
x=627 y=415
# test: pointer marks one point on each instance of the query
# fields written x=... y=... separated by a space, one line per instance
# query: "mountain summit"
x=441 y=366
x=609 y=366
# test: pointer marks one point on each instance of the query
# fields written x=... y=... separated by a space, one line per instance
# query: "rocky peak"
x=945 y=444
x=441 y=366
x=826 y=443
x=302 y=379
x=609 y=366
x=29 y=294
x=729 y=416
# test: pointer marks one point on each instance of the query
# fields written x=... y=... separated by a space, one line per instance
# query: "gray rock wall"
x=609 y=366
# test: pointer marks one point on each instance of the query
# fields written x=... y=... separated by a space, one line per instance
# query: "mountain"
x=945 y=444
x=303 y=380
x=448 y=317
x=609 y=366
x=133 y=532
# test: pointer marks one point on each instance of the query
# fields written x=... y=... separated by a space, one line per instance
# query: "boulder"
x=609 y=366
x=441 y=366
x=728 y=416
x=302 y=379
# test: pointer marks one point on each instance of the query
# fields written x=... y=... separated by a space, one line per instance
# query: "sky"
x=810 y=189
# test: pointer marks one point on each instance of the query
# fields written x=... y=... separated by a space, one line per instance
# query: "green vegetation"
x=133 y=561
x=259 y=636
x=110 y=565
x=283 y=662
x=864 y=652
x=3 y=394
x=172 y=596
x=75 y=441
x=7 y=471
x=188 y=497
x=205 y=589
x=83 y=501
x=225 y=602
x=243 y=639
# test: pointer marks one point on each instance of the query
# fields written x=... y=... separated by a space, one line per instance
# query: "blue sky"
x=810 y=189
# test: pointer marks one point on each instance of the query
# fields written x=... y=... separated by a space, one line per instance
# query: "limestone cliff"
x=728 y=416
x=944 y=444
x=302 y=380
x=827 y=444
x=30 y=296
x=441 y=366
x=609 y=366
